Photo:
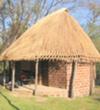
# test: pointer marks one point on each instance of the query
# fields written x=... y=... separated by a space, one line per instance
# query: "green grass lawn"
x=9 y=102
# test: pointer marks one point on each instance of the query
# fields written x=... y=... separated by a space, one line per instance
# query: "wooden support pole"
x=36 y=76
x=92 y=78
x=72 y=80
x=66 y=74
x=4 y=74
x=13 y=76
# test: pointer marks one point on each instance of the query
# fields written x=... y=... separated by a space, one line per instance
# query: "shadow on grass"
x=10 y=103
x=97 y=99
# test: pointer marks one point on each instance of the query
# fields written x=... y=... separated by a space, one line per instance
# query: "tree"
x=93 y=28
x=93 y=18
x=17 y=15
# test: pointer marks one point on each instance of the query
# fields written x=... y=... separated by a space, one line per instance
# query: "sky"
x=80 y=14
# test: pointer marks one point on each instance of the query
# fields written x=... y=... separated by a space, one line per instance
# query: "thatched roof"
x=56 y=36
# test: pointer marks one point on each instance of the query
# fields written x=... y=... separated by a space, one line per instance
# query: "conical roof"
x=56 y=36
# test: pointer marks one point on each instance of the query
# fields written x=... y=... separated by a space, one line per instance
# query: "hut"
x=63 y=55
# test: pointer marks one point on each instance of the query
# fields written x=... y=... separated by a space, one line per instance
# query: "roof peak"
x=50 y=15
x=59 y=10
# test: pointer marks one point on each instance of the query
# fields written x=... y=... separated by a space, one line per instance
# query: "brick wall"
x=82 y=79
x=59 y=74
x=82 y=82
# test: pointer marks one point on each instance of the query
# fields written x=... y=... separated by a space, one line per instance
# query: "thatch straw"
x=57 y=36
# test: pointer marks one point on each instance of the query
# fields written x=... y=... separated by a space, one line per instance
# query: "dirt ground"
x=27 y=91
